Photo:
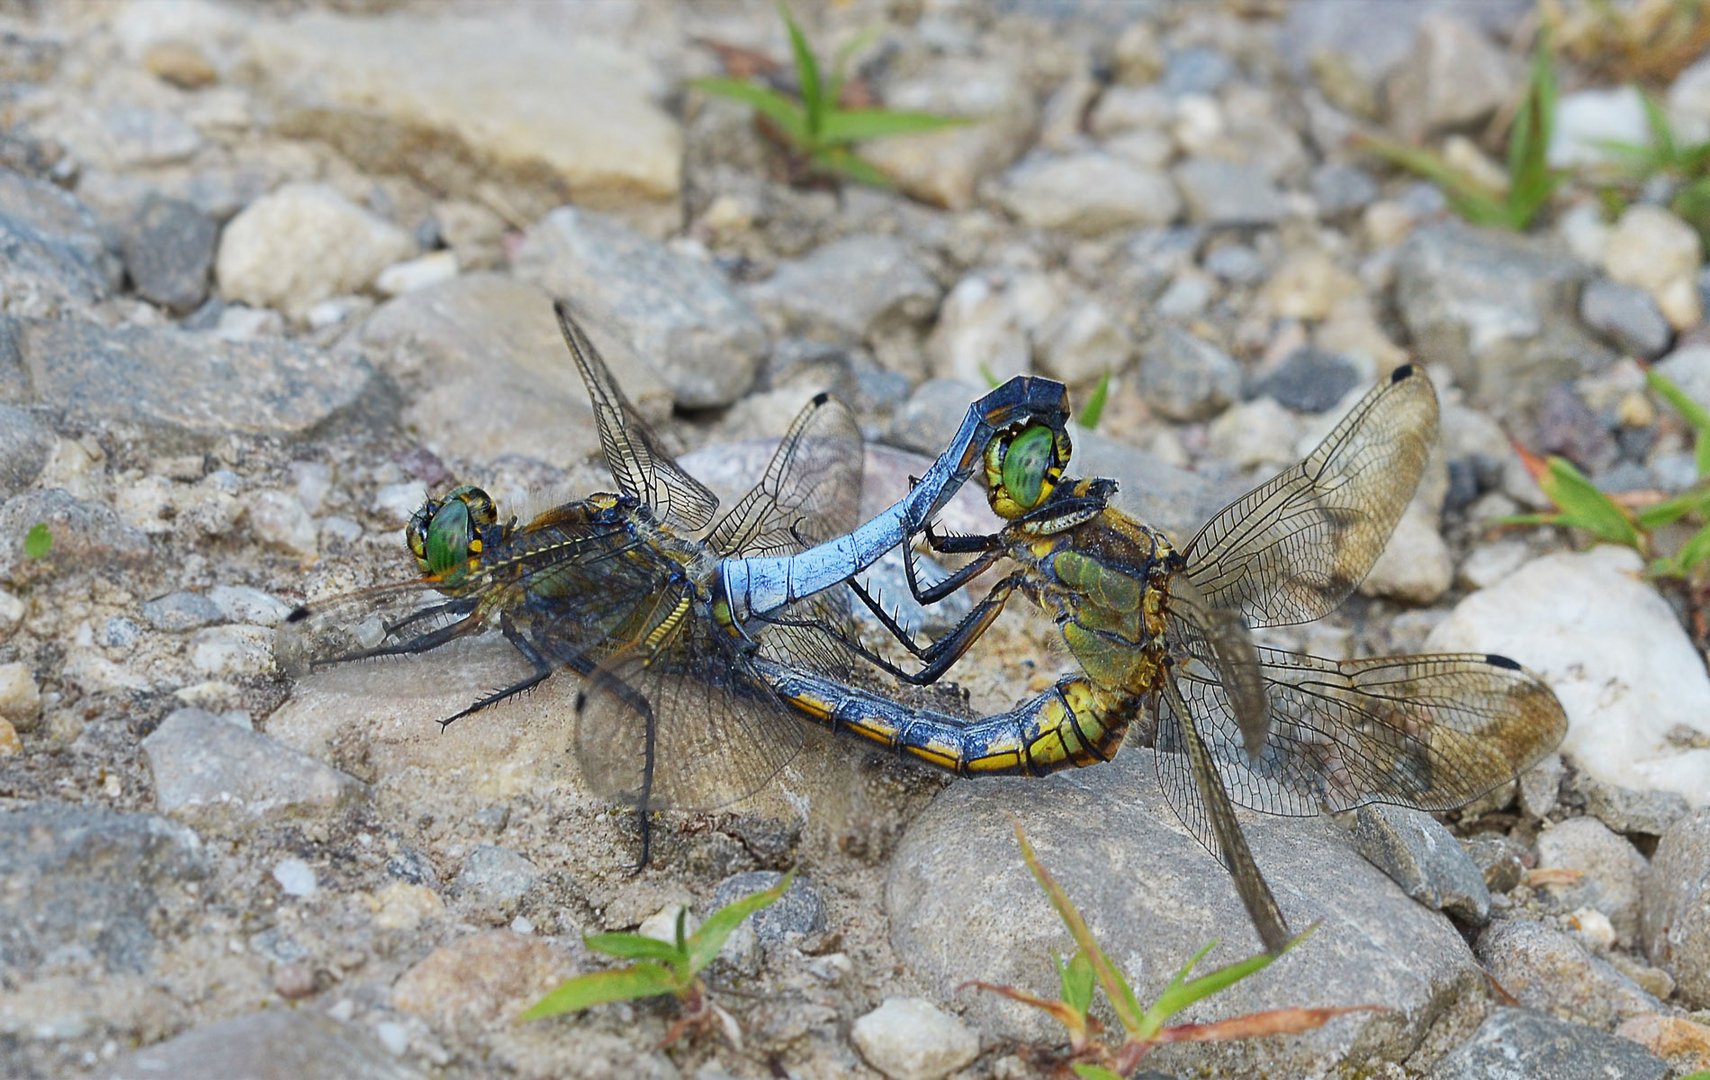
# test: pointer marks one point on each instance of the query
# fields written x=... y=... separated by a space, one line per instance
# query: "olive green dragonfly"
x=1162 y=635
x=663 y=606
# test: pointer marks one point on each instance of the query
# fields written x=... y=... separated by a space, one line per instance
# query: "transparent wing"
x=638 y=464
x=1293 y=548
x=810 y=493
x=395 y=619
x=1219 y=639
x=1432 y=732
x=687 y=728
x=1194 y=789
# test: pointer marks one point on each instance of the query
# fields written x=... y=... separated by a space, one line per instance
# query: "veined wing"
x=1432 y=732
x=393 y=619
x=639 y=465
x=1192 y=785
x=1219 y=638
x=809 y=493
x=1292 y=549
x=684 y=728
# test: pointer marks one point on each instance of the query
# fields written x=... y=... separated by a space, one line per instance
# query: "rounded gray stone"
x=799 y=911
x=1424 y=858
x=1519 y=1044
x=1675 y=912
x=1183 y=377
x=169 y=251
x=300 y=1044
x=1549 y=969
x=25 y=445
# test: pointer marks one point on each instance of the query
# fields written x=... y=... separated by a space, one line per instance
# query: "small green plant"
x=1688 y=166
x=662 y=967
x=1093 y=411
x=1531 y=181
x=1579 y=505
x=38 y=541
x=1144 y=1029
x=816 y=127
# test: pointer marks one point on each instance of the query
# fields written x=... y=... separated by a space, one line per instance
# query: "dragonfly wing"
x=1193 y=786
x=685 y=730
x=1219 y=638
x=810 y=493
x=1432 y=732
x=639 y=465
x=396 y=619
x=1292 y=549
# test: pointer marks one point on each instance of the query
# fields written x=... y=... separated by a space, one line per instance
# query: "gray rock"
x=1500 y=858
x=678 y=313
x=1589 y=119
x=799 y=911
x=1455 y=77
x=494 y=876
x=1184 y=377
x=187 y=390
x=1519 y=1044
x=913 y=1039
x=181 y=611
x=1153 y=490
x=242 y=604
x=25 y=445
x=169 y=249
x=1629 y=810
x=1310 y=380
x=54 y=256
x=1197 y=70
x=1499 y=309
x=1237 y=264
x=300 y=1044
x=1632 y=685
x=1541 y=785
x=1228 y=194
x=86 y=536
x=82 y=883
x=1089 y=193
x=1612 y=871
x=1626 y=317
x=1547 y=969
x=1688 y=367
x=1424 y=858
x=219 y=775
x=1675 y=922
x=850 y=290
x=1153 y=896
x=1084 y=343
x=1342 y=189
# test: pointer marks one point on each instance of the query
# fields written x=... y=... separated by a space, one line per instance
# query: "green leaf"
x=840 y=63
x=844 y=126
x=1182 y=993
x=1076 y=980
x=627 y=946
x=1672 y=510
x=704 y=944
x=842 y=160
x=1662 y=132
x=603 y=987
x=807 y=71
x=1695 y=414
x=764 y=100
x=1093 y=410
x=38 y=541
x=1584 y=507
x=1086 y=1070
x=1695 y=552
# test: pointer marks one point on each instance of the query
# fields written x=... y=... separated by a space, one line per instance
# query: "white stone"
x=11 y=613
x=1487 y=564
x=662 y=924
x=395 y=1037
x=20 y=698
x=1089 y=193
x=1614 y=653
x=302 y=244
x=1085 y=343
x=279 y=518
x=1255 y=434
x=1651 y=248
x=1308 y=286
x=240 y=323
x=1587 y=118
x=243 y=604
x=913 y=1039
x=417 y=273
x=983 y=330
x=1689 y=103
x=232 y=651
x=1585 y=232
x=399 y=502
x=535 y=110
x=295 y=877
x=1415 y=566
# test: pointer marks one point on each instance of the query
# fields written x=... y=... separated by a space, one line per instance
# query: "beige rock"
x=487 y=976
x=1308 y=286
x=1651 y=248
x=301 y=244
x=943 y=167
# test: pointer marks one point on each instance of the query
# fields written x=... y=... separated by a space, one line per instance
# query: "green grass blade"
x=1076 y=980
x=1116 y=988
x=1662 y=132
x=1584 y=507
x=1093 y=411
x=1087 y=1070
x=38 y=541
x=839 y=159
x=845 y=126
x=602 y=988
x=762 y=99
x=627 y=946
x=1696 y=415
x=807 y=71
x=1672 y=510
x=1695 y=552
x=704 y=944
x=840 y=64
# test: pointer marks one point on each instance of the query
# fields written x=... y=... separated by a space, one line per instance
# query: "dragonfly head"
x=447 y=535
x=1023 y=465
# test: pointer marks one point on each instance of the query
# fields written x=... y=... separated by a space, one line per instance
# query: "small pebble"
x=10 y=744
x=395 y=1037
x=294 y=980
x=295 y=876
x=398 y=502
x=418 y=273
x=913 y=1039
x=20 y=698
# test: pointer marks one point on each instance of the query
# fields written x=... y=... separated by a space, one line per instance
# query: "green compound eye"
x=449 y=534
x=1026 y=466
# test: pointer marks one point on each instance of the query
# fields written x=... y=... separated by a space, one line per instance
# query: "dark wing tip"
x=821 y=398
x=1501 y=661
x=1401 y=373
x=298 y=614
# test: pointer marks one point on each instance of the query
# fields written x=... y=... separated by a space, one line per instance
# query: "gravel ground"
x=274 y=272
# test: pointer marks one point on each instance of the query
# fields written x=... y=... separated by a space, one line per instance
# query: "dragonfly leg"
x=989 y=548
x=941 y=655
x=455 y=607
x=542 y=669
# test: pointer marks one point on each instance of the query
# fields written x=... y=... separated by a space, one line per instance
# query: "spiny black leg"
x=455 y=607
x=989 y=551
x=542 y=670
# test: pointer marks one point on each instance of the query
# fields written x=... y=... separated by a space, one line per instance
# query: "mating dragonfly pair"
x=704 y=643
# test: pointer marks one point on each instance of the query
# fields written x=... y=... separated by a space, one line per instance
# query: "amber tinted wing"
x=639 y=465
x=1433 y=732
x=1220 y=639
x=810 y=493
x=1293 y=548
